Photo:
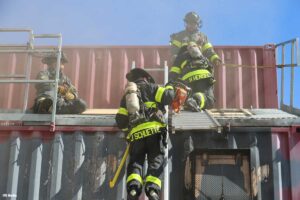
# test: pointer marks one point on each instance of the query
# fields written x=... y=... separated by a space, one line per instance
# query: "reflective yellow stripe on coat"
x=122 y=111
x=201 y=73
x=154 y=125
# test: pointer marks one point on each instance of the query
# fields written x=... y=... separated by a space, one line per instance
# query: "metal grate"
x=218 y=176
x=186 y=120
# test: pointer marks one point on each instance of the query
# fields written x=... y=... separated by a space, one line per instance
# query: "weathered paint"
x=65 y=166
x=70 y=164
x=99 y=74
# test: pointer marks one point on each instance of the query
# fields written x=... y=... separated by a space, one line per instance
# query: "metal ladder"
x=29 y=49
x=166 y=178
x=281 y=64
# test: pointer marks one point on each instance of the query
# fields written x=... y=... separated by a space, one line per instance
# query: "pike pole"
x=117 y=174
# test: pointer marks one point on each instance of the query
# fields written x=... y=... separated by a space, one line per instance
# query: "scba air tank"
x=132 y=99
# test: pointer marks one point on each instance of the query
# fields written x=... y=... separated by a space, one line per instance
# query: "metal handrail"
x=294 y=63
x=165 y=69
x=27 y=81
x=30 y=50
x=12 y=76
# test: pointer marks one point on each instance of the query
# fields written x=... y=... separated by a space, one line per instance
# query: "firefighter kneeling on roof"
x=141 y=116
x=193 y=68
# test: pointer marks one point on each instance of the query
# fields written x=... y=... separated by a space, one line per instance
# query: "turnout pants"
x=151 y=146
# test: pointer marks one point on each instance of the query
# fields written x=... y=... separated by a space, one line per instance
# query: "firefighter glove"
x=217 y=63
x=62 y=89
x=69 y=96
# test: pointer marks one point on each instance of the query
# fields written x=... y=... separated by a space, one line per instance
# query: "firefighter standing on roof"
x=191 y=34
x=146 y=132
x=67 y=97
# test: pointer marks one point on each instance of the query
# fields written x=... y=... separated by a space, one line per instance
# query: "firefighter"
x=191 y=33
x=146 y=131
x=192 y=67
x=67 y=96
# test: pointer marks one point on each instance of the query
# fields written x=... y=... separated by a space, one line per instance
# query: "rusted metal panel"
x=99 y=74
x=286 y=146
x=77 y=164
x=65 y=166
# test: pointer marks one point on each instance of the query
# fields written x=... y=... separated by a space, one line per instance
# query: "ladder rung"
x=27 y=81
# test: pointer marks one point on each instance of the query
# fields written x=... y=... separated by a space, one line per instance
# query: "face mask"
x=194 y=51
x=192 y=27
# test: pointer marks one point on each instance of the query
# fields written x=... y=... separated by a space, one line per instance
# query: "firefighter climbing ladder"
x=29 y=49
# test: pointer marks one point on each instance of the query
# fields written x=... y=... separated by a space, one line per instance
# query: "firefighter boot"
x=133 y=193
x=44 y=105
x=153 y=195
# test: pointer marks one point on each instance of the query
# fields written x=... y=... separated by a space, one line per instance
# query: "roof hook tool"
x=117 y=174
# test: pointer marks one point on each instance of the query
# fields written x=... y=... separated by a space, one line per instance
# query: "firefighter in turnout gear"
x=67 y=96
x=140 y=116
x=193 y=68
x=191 y=33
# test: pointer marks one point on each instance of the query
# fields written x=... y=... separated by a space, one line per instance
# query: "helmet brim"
x=137 y=73
x=52 y=58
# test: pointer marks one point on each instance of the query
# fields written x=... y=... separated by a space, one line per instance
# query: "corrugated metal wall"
x=99 y=74
x=72 y=165
x=79 y=165
x=286 y=162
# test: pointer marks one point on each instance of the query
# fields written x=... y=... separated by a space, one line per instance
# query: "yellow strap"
x=206 y=46
x=153 y=179
x=124 y=129
x=184 y=44
x=169 y=87
x=176 y=43
x=183 y=64
x=176 y=70
x=202 y=103
x=134 y=177
x=202 y=72
x=123 y=111
x=159 y=93
x=150 y=104
x=214 y=57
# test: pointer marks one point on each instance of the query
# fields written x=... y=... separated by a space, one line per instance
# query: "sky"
x=150 y=22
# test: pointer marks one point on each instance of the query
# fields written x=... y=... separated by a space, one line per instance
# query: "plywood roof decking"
x=100 y=112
